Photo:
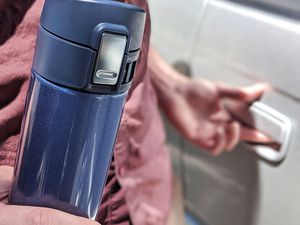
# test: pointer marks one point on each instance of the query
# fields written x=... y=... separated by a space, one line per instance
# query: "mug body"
x=66 y=144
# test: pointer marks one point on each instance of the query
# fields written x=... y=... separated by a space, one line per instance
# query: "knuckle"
x=192 y=136
x=215 y=152
x=38 y=217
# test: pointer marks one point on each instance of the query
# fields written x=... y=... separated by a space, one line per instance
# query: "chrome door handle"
x=275 y=125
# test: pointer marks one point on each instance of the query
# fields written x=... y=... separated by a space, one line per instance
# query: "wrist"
x=168 y=88
x=167 y=82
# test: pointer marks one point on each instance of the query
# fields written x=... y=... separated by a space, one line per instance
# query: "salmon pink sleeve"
x=15 y=62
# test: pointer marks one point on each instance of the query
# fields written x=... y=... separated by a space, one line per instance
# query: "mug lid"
x=78 y=20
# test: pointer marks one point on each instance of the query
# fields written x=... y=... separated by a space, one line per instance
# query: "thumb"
x=5 y=181
x=245 y=94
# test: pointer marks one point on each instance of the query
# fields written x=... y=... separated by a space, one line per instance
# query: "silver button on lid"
x=110 y=58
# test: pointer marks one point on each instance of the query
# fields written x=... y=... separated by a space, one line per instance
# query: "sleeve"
x=15 y=63
x=11 y=14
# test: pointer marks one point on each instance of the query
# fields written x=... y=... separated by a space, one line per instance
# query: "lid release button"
x=110 y=58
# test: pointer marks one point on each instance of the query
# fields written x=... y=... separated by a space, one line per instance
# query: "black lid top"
x=78 y=20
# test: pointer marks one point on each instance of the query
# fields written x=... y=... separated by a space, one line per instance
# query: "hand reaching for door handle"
x=196 y=107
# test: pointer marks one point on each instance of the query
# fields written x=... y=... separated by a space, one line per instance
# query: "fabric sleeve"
x=15 y=63
x=11 y=14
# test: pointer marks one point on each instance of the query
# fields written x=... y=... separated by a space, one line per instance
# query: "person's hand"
x=196 y=108
x=25 y=215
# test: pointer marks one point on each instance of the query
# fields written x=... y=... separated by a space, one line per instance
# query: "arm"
x=196 y=107
x=11 y=14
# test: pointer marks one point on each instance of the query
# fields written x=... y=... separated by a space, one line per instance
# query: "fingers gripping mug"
x=85 y=59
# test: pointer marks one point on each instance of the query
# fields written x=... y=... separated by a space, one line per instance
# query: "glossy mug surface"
x=65 y=149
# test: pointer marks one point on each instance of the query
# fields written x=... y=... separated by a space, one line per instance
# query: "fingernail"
x=259 y=86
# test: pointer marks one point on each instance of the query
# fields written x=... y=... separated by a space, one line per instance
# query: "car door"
x=238 y=42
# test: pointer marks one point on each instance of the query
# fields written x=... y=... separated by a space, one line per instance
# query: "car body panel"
x=240 y=45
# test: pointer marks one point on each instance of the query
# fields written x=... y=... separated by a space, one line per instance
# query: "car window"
x=289 y=8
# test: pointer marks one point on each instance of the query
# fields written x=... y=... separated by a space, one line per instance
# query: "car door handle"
x=275 y=125
x=272 y=123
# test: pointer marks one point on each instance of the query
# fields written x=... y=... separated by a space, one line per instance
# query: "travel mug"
x=84 y=63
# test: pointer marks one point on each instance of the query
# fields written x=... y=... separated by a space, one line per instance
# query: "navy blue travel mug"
x=84 y=63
